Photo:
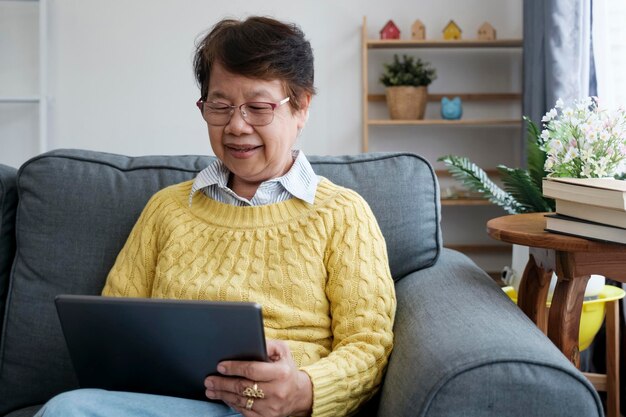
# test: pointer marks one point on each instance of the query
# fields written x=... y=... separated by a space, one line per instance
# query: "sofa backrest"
x=8 y=204
x=76 y=209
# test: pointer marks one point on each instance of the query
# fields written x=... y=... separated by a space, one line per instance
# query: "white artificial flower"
x=575 y=121
x=587 y=154
x=586 y=102
x=591 y=137
x=554 y=113
x=586 y=171
x=549 y=116
x=570 y=155
x=575 y=137
x=555 y=146
x=600 y=171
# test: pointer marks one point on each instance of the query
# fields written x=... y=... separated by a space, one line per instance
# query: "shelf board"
x=463 y=43
x=19 y=99
x=465 y=202
x=464 y=97
x=481 y=248
x=441 y=122
x=442 y=173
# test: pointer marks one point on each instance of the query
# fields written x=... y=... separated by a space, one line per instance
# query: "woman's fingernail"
x=221 y=369
x=208 y=384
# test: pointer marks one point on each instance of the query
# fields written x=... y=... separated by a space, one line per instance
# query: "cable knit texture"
x=320 y=272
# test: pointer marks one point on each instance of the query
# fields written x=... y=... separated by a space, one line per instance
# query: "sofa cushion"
x=77 y=208
x=8 y=204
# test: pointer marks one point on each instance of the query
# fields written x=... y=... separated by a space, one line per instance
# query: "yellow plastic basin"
x=592 y=314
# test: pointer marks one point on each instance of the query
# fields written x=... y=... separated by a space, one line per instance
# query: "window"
x=615 y=32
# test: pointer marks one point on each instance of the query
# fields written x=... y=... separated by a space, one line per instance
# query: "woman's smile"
x=243 y=151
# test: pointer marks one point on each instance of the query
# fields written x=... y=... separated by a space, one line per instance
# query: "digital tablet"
x=157 y=346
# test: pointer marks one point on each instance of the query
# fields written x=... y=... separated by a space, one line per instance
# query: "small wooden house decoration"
x=390 y=31
x=418 y=31
x=452 y=31
x=486 y=32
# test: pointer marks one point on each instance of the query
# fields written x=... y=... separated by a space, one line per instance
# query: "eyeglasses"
x=255 y=113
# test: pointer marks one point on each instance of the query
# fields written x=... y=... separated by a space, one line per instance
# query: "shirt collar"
x=300 y=181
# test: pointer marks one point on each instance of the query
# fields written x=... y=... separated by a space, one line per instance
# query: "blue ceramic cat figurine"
x=451 y=109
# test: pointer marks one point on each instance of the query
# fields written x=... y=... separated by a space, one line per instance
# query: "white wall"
x=120 y=77
x=120 y=80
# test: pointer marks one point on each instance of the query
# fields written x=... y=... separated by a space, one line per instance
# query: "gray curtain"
x=558 y=59
x=558 y=63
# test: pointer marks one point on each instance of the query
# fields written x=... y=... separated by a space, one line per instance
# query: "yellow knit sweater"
x=320 y=272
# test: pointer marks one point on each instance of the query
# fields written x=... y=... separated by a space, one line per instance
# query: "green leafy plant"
x=522 y=191
x=408 y=72
x=582 y=141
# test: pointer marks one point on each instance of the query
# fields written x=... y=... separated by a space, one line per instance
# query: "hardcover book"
x=602 y=192
x=582 y=228
x=603 y=215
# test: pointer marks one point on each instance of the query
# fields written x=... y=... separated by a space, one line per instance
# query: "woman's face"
x=253 y=153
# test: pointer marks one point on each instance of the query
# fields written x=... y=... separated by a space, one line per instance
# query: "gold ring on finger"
x=253 y=392
x=249 y=404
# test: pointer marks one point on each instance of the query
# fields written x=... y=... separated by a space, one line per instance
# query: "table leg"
x=612 y=358
x=564 y=320
x=533 y=292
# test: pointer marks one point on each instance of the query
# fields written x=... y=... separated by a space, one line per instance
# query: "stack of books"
x=593 y=208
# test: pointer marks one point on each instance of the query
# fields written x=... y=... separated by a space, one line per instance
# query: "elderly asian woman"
x=259 y=225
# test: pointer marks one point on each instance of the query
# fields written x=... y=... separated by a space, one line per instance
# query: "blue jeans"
x=101 y=403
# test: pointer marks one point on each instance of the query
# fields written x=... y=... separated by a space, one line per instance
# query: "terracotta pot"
x=406 y=102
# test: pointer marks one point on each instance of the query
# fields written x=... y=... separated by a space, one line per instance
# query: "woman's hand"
x=276 y=388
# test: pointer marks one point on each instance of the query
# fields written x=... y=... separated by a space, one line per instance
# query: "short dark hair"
x=258 y=47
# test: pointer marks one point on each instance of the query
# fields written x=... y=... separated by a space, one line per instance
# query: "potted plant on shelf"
x=406 y=83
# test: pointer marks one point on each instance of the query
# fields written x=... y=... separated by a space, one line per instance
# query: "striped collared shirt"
x=300 y=182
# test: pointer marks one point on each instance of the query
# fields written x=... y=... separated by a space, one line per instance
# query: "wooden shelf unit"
x=481 y=248
x=462 y=96
x=465 y=202
x=441 y=122
x=373 y=101
x=461 y=43
x=368 y=44
x=445 y=173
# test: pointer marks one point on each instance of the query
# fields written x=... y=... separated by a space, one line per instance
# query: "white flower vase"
x=513 y=276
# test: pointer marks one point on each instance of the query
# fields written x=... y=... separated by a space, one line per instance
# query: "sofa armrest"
x=463 y=348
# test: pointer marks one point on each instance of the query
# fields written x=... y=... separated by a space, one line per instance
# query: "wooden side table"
x=574 y=260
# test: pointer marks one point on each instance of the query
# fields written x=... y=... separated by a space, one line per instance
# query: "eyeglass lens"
x=255 y=114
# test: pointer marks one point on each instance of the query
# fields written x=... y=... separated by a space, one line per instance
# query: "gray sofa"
x=461 y=347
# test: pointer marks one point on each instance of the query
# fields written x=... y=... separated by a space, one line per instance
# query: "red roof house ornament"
x=390 y=31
